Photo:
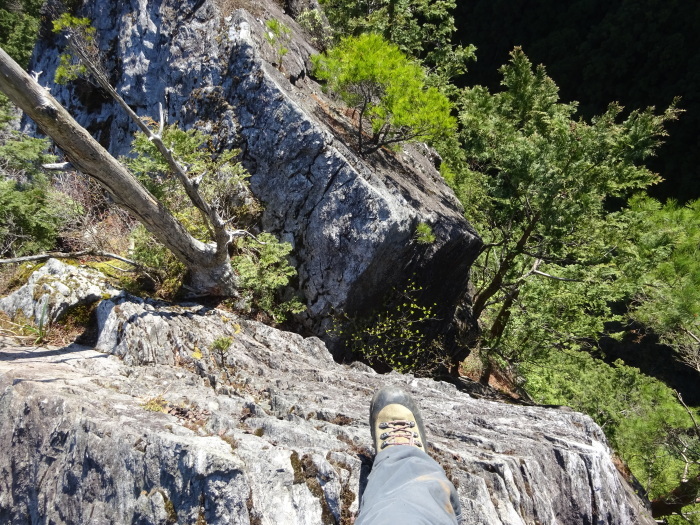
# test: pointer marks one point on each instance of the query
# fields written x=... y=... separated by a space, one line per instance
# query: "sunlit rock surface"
x=184 y=413
x=351 y=220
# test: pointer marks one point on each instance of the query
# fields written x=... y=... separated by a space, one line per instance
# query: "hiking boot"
x=394 y=419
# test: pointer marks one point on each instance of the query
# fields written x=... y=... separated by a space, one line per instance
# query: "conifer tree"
x=376 y=78
x=539 y=188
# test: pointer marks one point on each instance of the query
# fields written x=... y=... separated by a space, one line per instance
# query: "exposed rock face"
x=53 y=290
x=350 y=220
x=189 y=413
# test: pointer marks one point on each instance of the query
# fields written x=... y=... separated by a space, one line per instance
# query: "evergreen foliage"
x=424 y=234
x=19 y=26
x=375 y=77
x=28 y=220
x=547 y=190
x=421 y=28
x=29 y=217
x=316 y=26
x=668 y=301
x=279 y=36
x=538 y=188
x=264 y=270
x=638 y=53
x=71 y=67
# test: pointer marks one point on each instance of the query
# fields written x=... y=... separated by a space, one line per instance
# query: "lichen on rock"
x=79 y=443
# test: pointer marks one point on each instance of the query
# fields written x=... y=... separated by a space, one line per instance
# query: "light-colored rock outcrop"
x=53 y=290
x=258 y=426
x=351 y=220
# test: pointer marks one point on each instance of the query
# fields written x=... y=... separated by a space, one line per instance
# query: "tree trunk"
x=210 y=271
x=494 y=286
x=687 y=493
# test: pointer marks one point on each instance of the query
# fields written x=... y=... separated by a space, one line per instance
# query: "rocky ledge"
x=186 y=414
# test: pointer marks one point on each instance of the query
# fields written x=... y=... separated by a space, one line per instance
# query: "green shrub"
x=169 y=272
x=264 y=271
x=316 y=26
x=220 y=347
x=396 y=336
x=424 y=234
x=279 y=36
x=19 y=27
x=28 y=223
x=69 y=67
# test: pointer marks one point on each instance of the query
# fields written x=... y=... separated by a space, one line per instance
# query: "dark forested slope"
x=639 y=53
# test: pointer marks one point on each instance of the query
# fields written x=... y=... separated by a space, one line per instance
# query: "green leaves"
x=554 y=253
x=28 y=219
x=264 y=269
x=396 y=336
x=221 y=176
x=260 y=263
x=19 y=26
x=374 y=77
x=424 y=234
x=421 y=28
x=80 y=32
x=667 y=300
x=29 y=212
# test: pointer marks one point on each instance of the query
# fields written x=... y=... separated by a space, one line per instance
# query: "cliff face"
x=164 y=423
x=351 y=220
x=184 y=414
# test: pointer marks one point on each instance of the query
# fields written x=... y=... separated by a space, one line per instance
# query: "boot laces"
x=400 y=433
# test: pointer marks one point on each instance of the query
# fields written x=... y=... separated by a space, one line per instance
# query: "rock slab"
x=193 y=415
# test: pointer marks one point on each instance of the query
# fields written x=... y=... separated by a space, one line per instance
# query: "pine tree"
x=539 y=188
x=376 y=78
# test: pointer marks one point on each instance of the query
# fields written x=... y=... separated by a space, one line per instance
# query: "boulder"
x=351 y=220
x=53 y=290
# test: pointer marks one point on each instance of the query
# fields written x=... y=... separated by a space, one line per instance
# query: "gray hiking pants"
x=407 y=486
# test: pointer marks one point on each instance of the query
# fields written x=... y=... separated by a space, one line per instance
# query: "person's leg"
x=406 y=485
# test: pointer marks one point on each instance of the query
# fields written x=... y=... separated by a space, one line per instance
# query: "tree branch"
x=537 y=272
x=70 y=255
x=692 y=335
x=214 y=222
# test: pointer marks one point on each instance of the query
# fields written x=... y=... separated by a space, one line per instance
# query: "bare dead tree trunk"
x=210 y=271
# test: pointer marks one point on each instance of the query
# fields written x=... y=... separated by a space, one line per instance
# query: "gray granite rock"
x=257 y=425
x=351 y=220
x=53 y=290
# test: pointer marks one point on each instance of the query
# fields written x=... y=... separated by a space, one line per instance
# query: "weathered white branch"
x=69 y=255
x=58 y=166
x=209 y=265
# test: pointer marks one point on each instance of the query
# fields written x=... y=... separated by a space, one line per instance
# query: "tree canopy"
x=539 y=187
x=421 y=28
x=637 y=53
x=376 y=78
